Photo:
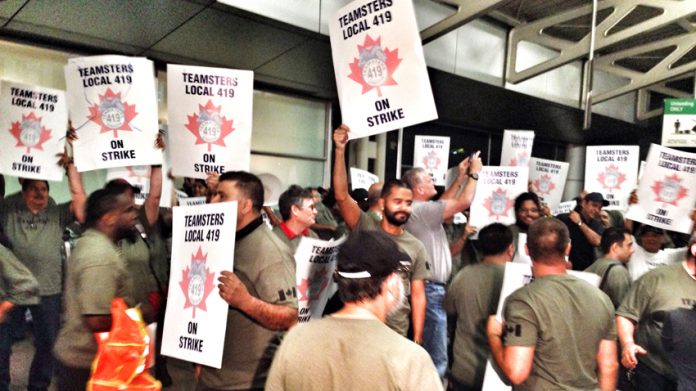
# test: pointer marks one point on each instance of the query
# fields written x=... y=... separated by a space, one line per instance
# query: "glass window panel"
x=290 y=171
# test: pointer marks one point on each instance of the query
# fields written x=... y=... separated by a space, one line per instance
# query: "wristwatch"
x=474 y=176
x=580 y=224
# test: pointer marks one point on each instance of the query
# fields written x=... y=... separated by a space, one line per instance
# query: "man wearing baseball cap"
x=353 y=348
x=585 y=229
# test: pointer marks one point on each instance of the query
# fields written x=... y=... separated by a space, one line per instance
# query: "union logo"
x=30 y=133
x=209 y=126
x=431 y=161
x=139 y=174
x=611 y=178
x=311 y=289
x=375 y=67
x=544 y=185
x=498 y=204
x=112 y=113
x=522 y=159
x=669 y=190
x=197 y=282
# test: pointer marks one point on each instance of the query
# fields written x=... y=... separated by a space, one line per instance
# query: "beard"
x=393 y=219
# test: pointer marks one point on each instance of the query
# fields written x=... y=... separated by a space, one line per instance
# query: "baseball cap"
x=370 y=254
x=596 y=197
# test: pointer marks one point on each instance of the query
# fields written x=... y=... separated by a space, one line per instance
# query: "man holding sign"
x=559 y=330
x=261 y=291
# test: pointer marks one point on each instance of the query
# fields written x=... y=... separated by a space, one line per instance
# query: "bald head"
x=547 y=241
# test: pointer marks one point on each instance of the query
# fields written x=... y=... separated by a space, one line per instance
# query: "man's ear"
x=294 y=210
x=381 y=203
x=246 y=206
x=511 y=250
x=567 y=250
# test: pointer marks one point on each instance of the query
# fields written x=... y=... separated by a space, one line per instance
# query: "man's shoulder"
x=427 y=209
x=262 y=248
x=94 y=249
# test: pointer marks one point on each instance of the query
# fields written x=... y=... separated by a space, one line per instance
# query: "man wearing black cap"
x=352 y=349
x=585 y=229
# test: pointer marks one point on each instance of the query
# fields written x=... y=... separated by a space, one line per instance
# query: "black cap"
x=596 y=197
x=120 y=183
x=649 y=228
x=370 y=254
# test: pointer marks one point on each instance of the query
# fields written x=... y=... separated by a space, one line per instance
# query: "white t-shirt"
x=643 y=261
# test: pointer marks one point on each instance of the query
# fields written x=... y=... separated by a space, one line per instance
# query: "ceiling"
x=635 y=37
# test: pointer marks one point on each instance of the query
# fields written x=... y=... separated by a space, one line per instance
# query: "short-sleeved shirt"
x=425 y=224
x=292 y=240
x=647 y=303
x=643 y=261
x=472 y=296
x=420 y=269
x=37 y=240
x=582 y=253
x=337 y=353
x=564 y=319
x=266 y=267
x=678 y=340
x=96 y=274
x=17 y=284
x=615 y=278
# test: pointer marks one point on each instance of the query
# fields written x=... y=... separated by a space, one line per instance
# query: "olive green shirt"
x=37 y=240
x=472 y=296
x=420 y=269
x=657 y=292
x=564 y=319
x=96 y=274
x=339 y=354
x=266 y=267
x=17 y=284
x=616 y=282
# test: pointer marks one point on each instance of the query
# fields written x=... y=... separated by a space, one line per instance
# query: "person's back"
x=570 y=318
x=343 y=353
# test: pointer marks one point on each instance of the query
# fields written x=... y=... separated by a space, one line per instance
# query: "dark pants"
x=45 y=322
x=72 y=379
x=645 y=379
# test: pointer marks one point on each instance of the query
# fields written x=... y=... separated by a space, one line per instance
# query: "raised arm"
x=463 y=201
x=152 y=202
x=350 y=211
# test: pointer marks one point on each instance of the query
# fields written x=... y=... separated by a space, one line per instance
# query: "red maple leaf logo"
x=611 y=178
x=311 y=288
x=544 y=185
x=431 y=160
x=670 y=190
x=197 y=282
x=375 y=67
x=522 y=159
x=498 y=204
x=209 y=126
x=111 y=113
x=30 y=133
x=139 y=173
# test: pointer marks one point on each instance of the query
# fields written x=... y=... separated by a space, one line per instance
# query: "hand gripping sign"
x=113 y=107
x=380 y=67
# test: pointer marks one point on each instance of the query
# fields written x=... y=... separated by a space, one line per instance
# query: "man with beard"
x=370 y=287
x=426 y=225
x=96 y=274
x=585 y=229
x=396 y=199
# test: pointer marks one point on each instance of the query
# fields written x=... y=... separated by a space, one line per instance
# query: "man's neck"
x=499 y=259
x=554 y=267
x=421 y=197
x=246 y=220
x=363 y=310
x=295 y=226
x=391 y=229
